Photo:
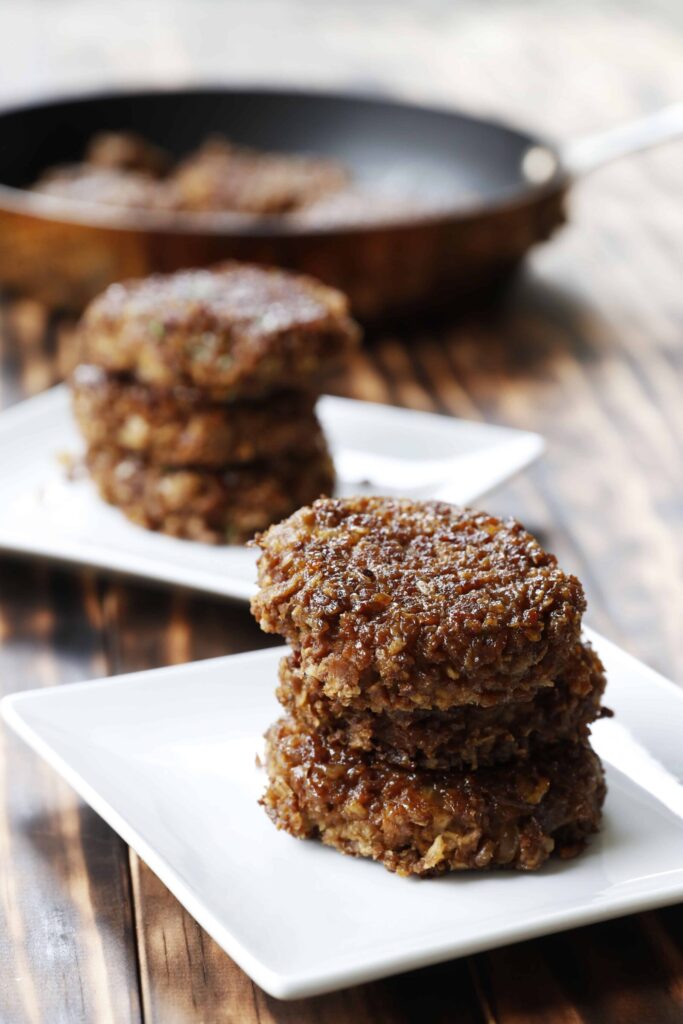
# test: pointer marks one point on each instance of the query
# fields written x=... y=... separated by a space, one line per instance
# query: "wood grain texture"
x=586 y=349
x=66 y=936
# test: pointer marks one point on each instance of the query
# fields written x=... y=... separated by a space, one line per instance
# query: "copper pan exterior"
x=388 y=270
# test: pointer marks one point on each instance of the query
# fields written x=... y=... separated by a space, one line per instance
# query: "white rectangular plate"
x=168 y=759
x=377 y=449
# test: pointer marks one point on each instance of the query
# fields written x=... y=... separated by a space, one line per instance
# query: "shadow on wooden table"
x=515 y=332
x=531 y=300
x=606 y=970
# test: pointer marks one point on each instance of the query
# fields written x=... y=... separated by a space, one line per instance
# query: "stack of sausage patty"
x=196 y=397
x=438 y=693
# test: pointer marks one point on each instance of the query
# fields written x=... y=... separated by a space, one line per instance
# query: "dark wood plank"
x=66 y=931
x=67 y=940
x=186 y=977
x=609 y=972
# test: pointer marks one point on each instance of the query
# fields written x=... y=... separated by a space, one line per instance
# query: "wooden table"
x=588 y=350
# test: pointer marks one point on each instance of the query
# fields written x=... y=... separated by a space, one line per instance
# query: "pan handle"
x=592 y=151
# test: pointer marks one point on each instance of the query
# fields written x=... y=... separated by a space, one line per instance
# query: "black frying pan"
x=497 y=191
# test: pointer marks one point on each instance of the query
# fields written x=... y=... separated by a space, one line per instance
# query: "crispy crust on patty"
x=178 y=427
x=216 y=506
x=427 y=823
x=396 y=605
x=463 y=737
x=223 y=176
x=235 y=331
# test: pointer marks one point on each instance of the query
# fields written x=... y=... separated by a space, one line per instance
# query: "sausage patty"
x=469 y=736
x=396 y=604
x=179 y=427
x=427 y=823
x=235 y=331
x=213 y=505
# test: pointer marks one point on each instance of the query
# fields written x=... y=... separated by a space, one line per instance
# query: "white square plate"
x=168 y=759
x=376 y=448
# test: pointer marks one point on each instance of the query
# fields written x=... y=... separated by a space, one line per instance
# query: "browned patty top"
x=218 y=326
x=399 y=589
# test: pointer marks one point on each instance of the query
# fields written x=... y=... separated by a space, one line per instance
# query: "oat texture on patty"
x=396 y=605
x=426 y=823
x=179 y=427
x=468 y=736
x=213 y=505
x=235 y=331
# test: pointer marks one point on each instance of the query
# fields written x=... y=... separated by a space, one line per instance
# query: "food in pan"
x=196 y=397
x=122 y=170
x=222 y=176
x=126 y=151
x=107 y=186
x=438 y=694
x=356 y=205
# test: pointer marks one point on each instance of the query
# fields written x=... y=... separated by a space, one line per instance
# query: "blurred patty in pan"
x=223 y=176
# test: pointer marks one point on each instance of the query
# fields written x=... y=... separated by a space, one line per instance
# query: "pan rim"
x=98 y=216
